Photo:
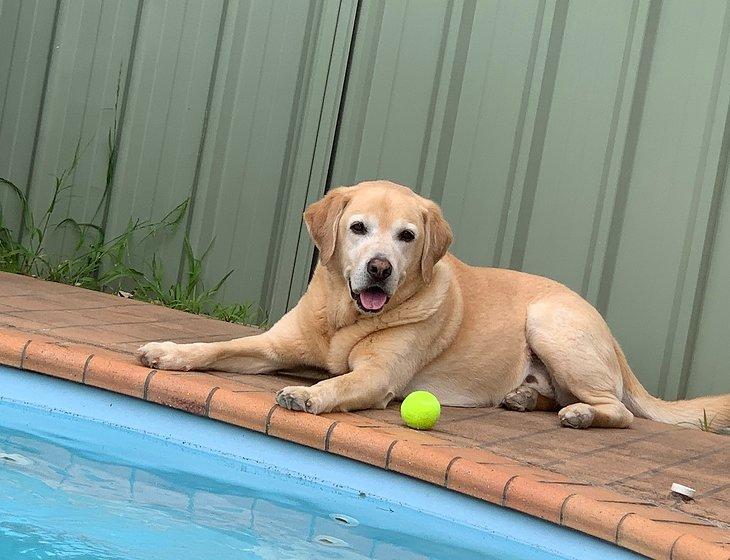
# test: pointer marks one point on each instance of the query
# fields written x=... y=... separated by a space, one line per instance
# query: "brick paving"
x=613 y=484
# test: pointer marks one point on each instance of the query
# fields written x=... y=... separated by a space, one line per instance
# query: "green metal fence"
x=586 y=140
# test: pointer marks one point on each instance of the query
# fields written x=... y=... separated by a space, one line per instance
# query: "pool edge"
x=500 y=481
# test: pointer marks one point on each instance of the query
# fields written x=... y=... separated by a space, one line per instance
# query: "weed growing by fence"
x=103 y=263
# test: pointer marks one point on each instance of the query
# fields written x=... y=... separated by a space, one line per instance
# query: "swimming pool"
x=83 y=477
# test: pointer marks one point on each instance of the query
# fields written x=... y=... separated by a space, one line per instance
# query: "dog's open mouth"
x=370 y=300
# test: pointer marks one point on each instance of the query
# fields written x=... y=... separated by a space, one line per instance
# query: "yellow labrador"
x=389 y=311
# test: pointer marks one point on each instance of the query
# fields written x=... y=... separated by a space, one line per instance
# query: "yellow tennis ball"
x=420 y=410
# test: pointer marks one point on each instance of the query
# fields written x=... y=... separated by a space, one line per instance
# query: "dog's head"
x=379 y=236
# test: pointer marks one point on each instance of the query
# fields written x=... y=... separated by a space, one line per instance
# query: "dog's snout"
x=379 y=268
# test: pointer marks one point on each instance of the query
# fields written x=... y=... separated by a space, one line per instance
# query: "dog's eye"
x=358 y=228
x=406 y=235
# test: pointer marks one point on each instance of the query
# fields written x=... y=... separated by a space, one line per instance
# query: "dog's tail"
x=706 y=413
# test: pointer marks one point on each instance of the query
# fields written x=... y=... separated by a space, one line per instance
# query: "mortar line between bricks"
x=49 y=327
x=562 y=507
x=109 y=345
x=600 y=449
x=24 y=352
x=31 y=294
x=186 y=373
x=198 y=338
x=567 y=482
x=506 y=488
x=21 y=311
x=674 y=544
x=628 y=502
x=100 y=325
x=618 y=526
x=106 y=345
x=19 y=315
x=448 y=470
x=388 y=454
x=713 y=491
x=209 y=399
x=487 y=412
x=147 y=382
x=680 y=522
x=329 y=435
x=666 y=466
x=86 y=367
x=268 y=418
x=487 y=443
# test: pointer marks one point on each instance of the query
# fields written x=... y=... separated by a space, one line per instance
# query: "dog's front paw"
x=300 y=398
x=167 y=355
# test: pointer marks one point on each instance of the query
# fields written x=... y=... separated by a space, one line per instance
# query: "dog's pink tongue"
x=372 y=300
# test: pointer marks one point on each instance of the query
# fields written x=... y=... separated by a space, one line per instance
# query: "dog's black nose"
x=379 y=268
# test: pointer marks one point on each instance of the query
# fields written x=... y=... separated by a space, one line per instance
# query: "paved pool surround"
x=612 y=484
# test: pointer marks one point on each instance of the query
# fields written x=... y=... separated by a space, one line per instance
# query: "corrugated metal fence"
x=583 y=140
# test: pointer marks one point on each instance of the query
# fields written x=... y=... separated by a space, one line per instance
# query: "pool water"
x=86 y=474
x=60 y=500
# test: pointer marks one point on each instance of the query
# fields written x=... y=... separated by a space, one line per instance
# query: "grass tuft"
x=703 y=423
x=106 y=264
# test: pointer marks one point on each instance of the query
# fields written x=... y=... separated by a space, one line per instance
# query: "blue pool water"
x=86 y=474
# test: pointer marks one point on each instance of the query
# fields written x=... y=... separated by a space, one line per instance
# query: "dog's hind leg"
x=573 y=341
x=535 y=393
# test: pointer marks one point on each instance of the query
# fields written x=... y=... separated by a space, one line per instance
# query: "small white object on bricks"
x=684 y=491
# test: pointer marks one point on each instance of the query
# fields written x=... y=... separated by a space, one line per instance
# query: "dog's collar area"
x=370 y=300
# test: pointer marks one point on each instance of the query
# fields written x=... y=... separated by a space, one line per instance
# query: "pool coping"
x=57 y=410
x=629 y=522
x=475 y=472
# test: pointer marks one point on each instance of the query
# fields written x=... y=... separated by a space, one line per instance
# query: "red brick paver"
x=613 y=484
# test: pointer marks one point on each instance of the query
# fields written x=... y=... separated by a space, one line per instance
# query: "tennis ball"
x=420 y=410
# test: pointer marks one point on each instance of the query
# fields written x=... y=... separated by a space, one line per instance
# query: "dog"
x=389 y=311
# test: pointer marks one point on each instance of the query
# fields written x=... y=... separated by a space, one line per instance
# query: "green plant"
x=94 y=262
x=702 y=423
x=192 y=295
x=27 y=258
x=246 y=313
x=106 y=264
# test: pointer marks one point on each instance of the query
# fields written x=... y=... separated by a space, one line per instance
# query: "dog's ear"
x=437 y=238
x=323 y=219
